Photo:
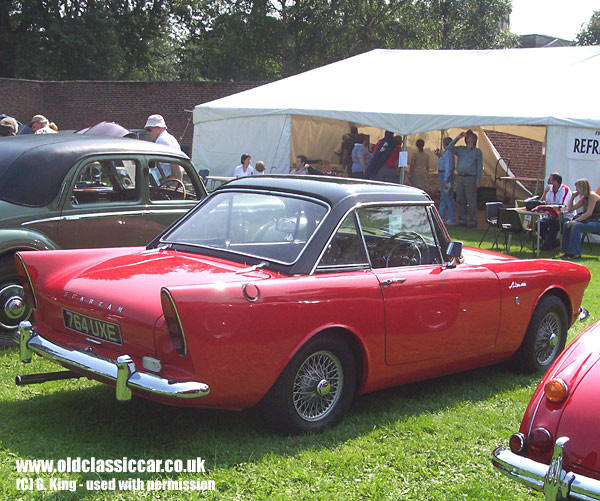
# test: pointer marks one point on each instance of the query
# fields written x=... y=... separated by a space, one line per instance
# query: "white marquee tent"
x=547 y=94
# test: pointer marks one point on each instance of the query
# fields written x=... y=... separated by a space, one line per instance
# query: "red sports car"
x=294 y=293
x=557 y=448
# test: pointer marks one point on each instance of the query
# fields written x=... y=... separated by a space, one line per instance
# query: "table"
x=534 y=219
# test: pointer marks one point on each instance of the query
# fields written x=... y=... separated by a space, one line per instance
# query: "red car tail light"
x=26 y=282
x=517 y=443
x=556 y=390
x=173 y=322
x=540 y=440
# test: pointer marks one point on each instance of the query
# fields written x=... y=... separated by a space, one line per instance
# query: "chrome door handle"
x=390 y=281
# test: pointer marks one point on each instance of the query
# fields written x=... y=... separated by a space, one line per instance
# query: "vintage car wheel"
x=13 y=308
x=545 y=337
x=315 y=389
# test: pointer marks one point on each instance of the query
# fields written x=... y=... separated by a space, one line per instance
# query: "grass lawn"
x=428 y=440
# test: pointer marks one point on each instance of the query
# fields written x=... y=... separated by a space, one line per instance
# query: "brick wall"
x=78 y=104
x=526 y=159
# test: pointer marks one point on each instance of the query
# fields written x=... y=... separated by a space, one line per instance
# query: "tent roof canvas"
x=411 y=91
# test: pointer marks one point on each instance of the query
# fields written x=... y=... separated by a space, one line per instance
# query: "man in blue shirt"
x=446 y=175
x=470 y=171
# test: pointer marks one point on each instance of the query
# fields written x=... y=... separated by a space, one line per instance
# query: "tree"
x=590 y=34
x=267 y=39
x=84 y=39
x=228 y=39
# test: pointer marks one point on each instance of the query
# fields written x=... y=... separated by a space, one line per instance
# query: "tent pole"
x=542 y=156
x=403 y=168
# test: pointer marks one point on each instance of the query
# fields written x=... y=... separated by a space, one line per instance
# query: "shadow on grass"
x=83 y=419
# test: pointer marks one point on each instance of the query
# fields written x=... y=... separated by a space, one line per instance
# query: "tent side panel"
x=571 y=153
x=219 y=144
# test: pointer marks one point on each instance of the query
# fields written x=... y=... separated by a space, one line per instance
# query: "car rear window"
x=271 y=226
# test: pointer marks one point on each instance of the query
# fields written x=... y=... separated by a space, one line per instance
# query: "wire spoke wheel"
x=546 y=341
x=318 y=385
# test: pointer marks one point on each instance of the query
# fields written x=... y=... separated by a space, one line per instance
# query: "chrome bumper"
x=122 y=370
x=552 y=480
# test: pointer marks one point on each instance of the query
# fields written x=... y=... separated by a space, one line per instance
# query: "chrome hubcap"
x=318 y=385
x=323 y=387
x=13 y=308
x=546 y=343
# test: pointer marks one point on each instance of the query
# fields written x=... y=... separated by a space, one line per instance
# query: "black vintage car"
x=69 y=191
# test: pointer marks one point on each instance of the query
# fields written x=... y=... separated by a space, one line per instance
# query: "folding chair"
x=491 y=216
x=509 y=223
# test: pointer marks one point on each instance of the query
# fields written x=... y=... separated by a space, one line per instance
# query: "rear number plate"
x=92 y=327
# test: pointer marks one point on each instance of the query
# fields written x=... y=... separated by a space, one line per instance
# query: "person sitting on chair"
x=555 y=193
x=587 y=222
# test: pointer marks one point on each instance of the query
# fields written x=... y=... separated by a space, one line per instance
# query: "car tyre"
x=9 y=289
x=545 y=337
x=315 y=389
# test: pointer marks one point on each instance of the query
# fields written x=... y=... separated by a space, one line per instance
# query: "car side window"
x=106 y=181
x=398 y=236
x=346 y=247
x=170 y=181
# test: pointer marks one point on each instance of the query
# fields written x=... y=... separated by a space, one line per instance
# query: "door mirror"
x=454 y=249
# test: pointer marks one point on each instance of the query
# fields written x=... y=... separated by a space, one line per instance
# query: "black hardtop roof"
x=33 y=166
x=328 y=188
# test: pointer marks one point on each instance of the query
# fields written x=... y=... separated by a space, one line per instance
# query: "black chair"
x=509 y=223
x=491 y=216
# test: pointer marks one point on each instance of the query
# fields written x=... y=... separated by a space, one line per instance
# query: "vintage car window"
x=398 y=236
x=270 y=226
x=106 y=181
x=346 y=248
x=170 y=181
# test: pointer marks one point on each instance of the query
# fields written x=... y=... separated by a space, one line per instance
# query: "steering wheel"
x=405 y=254
x=408 y=235
x=178 y=184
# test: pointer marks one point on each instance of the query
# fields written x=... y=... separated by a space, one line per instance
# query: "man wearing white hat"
x=157 y=131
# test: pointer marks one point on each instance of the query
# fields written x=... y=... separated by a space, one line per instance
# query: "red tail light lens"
x=540 y=440
x=517 y=443
x=173 y=322
x=556 y=390
x=26 y=282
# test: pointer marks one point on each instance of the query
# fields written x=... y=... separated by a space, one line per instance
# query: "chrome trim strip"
x=122 y=371
x=35 y=301
x=75 y=217
x=551 y=479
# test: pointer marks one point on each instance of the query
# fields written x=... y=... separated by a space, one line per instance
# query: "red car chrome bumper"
x=552 y=479
x=122 y=371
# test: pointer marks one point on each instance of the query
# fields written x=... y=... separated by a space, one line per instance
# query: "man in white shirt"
x=157 y=131
x=557 y=194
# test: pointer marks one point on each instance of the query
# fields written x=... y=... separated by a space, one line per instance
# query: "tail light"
x=26 y=282
x=556 y=390
x=173 y=322
x=517 y=443
x=540 y=440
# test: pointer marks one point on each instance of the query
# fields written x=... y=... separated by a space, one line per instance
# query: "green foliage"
x=84 y=39
x=228 y=39
x=590 y=34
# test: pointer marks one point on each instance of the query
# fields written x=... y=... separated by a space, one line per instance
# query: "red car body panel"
x=577 y=416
